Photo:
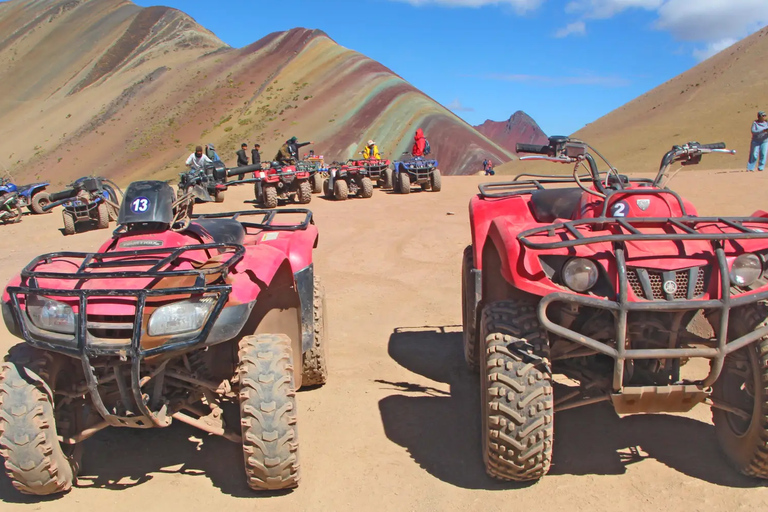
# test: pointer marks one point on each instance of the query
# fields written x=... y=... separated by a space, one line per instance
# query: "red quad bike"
x=215 y=322
x=614 y=283
x=378 y=170
x=289 y=182
x=345 y=179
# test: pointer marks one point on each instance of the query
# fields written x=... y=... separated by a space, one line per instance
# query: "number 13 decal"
x=620 y=209
x=140 y=205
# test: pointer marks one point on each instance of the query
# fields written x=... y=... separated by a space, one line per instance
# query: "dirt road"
x=397 y=426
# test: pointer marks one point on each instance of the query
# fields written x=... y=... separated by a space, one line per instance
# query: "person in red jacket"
x=418 y=143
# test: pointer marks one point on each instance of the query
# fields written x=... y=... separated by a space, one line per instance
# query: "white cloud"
x=601 y=81
x=713 y=48
x=578 y=28
x=601 y=9
x=456 y=106
x=520 y=6
x=712 y=20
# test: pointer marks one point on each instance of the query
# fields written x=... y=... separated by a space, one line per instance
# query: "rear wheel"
x=436 y=180
x=304 y=195
x=268 y=412
x=327 y=192
x=34 y=459
x=516 y=393
x=404 y=183
x=317 y=183
x=269 y=195
x=102 y=216
x=315 y=367
x=743 y=385
x=69 y=222
x=340 y=190
x=387 y=183
x=469 y=315
x=366 y=187
x=39 y=201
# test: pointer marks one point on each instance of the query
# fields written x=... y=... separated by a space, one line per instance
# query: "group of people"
x=242 y=155
x=488 y=167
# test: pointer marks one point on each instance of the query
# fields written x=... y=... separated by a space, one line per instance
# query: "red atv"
x=378 y=170
x=345 y=179
x=615 y=284
x=289 y=182
x=214 y=322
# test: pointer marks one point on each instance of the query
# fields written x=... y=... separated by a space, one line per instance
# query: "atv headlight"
x=580 y=274
x=746 y=269
x=180 y=317
x=50 y=315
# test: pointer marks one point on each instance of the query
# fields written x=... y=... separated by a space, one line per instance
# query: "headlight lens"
x=580 y=274
x=746 y=269
x=180 y=317
x=50 y=315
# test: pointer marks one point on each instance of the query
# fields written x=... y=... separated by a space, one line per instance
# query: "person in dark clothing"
x=242 y=158
x=289 y=152
x=255 y=155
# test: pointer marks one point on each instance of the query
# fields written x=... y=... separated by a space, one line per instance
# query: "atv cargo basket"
x=269 y=218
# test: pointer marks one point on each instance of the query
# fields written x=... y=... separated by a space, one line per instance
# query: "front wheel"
x=304 y=195
x=404 y=183
x=102 y=216
x=387 y=183
x=327 y=192
x=340 y=190
x=516 y=393
x=317 y=183
x=436 y=180
x=366 y=187
x=39 y=201
x=34 y=460
x=269 y=196
x=69 y=222
x=743 y=385
x=268 y=412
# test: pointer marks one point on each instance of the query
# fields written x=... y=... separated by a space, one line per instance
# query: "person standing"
x=197 y=160
x=485 y=167
x=242 y=157
x=419 y=143
x=256 y=155
x=759 y=146
x=210 y=152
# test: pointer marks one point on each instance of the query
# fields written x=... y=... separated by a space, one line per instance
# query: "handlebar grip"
x=532 y=148
x=64 y=194
x=237 y=171
x=716 y=145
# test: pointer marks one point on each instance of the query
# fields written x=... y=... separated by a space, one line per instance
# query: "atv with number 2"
x=617 y=285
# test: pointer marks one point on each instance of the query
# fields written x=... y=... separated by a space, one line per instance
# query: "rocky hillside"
x=519 y=128
x=106 y=87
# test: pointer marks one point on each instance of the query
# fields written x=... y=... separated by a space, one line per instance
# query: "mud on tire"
x=102 y=216
x=34 y=460
x=269 y=196
x=436 y=180
x=366 y=187
x=340 y=189
x=387 y=181
x=39 y=201
x=268 y=412
x=516 y=393
x=69 y=222
x=317 y=183
x=404 y=183
x=304 y=194
x=315 y=361
x=743 y=383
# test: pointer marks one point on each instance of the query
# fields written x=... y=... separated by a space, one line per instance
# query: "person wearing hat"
x=371 y=151
x=759 y=147
x=242 y=157
x=210 y=152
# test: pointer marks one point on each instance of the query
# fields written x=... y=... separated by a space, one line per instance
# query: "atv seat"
x=228 y=231
x=555 y=203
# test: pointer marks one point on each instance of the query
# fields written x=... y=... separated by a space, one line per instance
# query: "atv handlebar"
x=715 y=145
x=64 y=194
x=533 y=148
x=688 y=154
x=239 y=171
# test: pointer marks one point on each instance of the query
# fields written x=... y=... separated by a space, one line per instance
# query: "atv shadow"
x=82 y=227
x=119 y=459
x=441 y=430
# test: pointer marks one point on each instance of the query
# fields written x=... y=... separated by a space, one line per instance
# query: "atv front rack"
x=518 y=187
x=625 y=229
x=267 y=222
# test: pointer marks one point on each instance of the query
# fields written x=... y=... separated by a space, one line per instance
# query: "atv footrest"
x=653 y=399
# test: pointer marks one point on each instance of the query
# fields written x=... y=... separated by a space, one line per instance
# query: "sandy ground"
x=397 y=426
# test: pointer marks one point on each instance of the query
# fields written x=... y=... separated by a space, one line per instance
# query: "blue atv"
x=32 y=196
x=416 y=171
x=88 y=199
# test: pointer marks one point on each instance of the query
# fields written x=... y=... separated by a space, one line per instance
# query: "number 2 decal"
x=619 y=209
x=140 y=205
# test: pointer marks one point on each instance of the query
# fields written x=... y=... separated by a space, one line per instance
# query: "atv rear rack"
x=625 y=229
x=268 y=221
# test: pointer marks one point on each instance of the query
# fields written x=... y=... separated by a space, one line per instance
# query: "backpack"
x=427 y=149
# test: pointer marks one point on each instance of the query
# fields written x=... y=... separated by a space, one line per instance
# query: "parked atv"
x=88 y=198
x=317 y=170
x=220 y=317
x=33 y=196
x=347 y=179
x=278 y=181
x=615 y=283
x=10 y=208
x=378 y=170
x=213 y=179
x=416 y=171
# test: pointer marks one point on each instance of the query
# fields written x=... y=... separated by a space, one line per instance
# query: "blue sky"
x=564 y=62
